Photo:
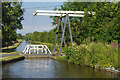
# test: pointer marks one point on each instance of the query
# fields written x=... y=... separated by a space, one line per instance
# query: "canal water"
x=49 y=68
x=21 y=47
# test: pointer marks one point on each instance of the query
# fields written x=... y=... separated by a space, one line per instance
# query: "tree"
x=12 y=15
x=19 y=36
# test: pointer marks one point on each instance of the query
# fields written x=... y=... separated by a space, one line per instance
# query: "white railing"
x=36 y=48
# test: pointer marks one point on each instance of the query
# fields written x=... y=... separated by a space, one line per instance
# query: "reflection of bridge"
x=38 y=49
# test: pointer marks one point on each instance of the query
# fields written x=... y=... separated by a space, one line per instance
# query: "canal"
x=49 y=68
x=21 y=47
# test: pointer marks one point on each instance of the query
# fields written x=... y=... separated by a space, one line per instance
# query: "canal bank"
x=107 y=69
x=98 y=55
x=9 y=54
x=13 y=46
x=11 y=59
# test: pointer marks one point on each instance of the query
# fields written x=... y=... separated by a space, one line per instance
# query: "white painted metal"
x=47 y=14
x=36 y=48
x=48 y=49
x=26 y=49
x=51 y=11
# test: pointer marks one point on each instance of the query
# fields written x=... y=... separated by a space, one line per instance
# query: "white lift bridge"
x=29 y=49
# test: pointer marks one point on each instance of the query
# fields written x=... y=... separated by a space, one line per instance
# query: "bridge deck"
x=38 y=55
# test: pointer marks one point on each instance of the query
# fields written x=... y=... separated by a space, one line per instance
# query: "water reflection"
x=48 y=68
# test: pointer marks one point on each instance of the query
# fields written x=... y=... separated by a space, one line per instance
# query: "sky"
x=37 y=23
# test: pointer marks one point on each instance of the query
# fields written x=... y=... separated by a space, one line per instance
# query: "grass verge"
x=13 y=46
x=10 y=59
x=14 y=52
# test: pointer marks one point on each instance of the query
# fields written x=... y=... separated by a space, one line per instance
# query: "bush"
x=101 y=54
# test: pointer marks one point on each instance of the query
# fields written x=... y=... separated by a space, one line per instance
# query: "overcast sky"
x=37 y=23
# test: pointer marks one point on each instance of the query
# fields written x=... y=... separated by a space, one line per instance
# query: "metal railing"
x=36 y=49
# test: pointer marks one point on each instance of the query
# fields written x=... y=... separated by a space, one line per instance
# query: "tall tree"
x=12 y=15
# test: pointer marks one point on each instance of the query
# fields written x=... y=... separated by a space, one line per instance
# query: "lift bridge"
x=36 y=49
x=63 y=17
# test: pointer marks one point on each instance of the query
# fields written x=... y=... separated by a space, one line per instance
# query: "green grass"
x=11 y=57
x=14 y=52
x=61 y=58
x=13 y=46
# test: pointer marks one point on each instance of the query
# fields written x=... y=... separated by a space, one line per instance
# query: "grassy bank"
x=10 y=50
x=14 y=52
x=93 y=54
x=11 y=59
x=13 y=46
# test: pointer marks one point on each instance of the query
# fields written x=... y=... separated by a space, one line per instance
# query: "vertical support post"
x=34 y=48
x=70 y=30
x=63 y=32
x=37 y=50
x=45 y=50
x=56 y=35
x=29 y=51
x=42 y=48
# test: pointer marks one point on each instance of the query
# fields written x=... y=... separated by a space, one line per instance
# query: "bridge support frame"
x=65 y=14
x=66 y=21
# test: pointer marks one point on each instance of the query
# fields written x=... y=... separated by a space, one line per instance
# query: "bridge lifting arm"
x=46 y=14
x=62 y=14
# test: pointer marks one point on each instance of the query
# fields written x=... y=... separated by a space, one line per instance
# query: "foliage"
x=61 y=58
x=103 y=26
x=19 y=36
x=12 y=15
x=103 y=55
x=47 y=37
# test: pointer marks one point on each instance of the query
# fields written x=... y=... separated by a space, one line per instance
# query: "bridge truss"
x=36 y=48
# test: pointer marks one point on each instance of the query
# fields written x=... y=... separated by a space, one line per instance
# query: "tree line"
x=45 y=36
x=103 y=26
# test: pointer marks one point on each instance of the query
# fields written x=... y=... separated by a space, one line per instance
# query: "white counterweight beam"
x=51 y=11
x=47 y=14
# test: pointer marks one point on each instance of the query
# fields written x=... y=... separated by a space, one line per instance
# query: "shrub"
x=102 y=54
